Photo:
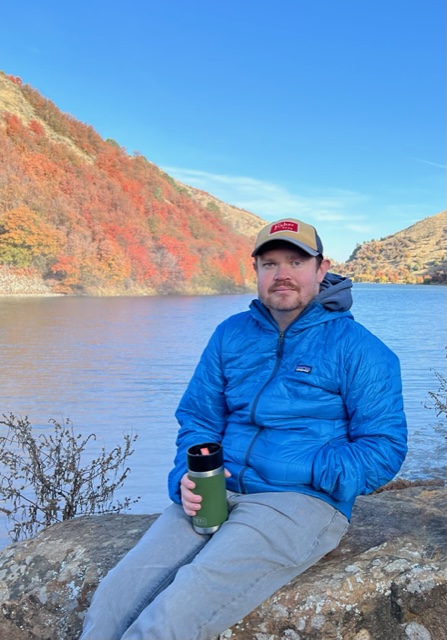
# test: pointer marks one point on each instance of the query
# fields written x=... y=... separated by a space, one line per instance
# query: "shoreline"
x=37 y=292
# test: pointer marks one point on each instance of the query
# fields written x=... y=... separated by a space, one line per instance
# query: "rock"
x=46 y=583
x=386 y=581
x=13 y=282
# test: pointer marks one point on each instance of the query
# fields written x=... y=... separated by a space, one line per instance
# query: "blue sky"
x=332 y=111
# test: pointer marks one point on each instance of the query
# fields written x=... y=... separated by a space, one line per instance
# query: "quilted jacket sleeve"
x=202 y=411
x=377 y=437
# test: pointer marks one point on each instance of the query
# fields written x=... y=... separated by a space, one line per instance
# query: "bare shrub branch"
x=43 y=479
x=438 y=400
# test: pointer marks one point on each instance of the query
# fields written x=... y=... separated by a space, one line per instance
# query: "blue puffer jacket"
x=317 y=409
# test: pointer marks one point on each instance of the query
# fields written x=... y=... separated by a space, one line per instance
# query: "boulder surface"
x=386 y=581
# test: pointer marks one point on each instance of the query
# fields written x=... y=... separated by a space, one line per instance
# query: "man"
x=307 y=405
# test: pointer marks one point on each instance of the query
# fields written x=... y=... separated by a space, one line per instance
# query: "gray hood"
x=335 y=293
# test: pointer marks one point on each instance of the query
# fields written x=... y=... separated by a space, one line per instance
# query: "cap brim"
x=300 y=245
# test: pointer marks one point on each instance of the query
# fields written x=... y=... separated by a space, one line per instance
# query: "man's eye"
x=297 y=263
x=268 y=264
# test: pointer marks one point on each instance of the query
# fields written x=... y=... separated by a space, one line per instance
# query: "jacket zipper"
x=279 y=353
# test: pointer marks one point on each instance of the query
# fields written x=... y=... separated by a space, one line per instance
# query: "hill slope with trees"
x=79 y=215
x=85 y=217
x=417 y=254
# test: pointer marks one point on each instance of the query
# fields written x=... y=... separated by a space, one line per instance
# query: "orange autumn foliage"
x=92 y=218
x=25 y=238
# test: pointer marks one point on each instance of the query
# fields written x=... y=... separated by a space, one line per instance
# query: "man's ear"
x=255 y=265
x=323 y=269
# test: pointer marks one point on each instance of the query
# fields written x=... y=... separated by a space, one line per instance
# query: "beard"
x=283 y=298
x=287 y=297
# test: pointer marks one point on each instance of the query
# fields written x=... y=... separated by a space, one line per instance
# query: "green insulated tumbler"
x=205 y=468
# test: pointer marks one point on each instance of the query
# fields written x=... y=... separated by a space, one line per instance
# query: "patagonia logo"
x=303 y=368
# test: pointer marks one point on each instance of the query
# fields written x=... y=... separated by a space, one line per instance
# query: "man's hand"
x=191 y=501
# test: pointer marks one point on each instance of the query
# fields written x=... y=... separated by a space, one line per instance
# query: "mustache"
x=280 y=284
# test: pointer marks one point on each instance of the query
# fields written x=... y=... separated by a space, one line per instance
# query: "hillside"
x=417 y=254
x=78 y=214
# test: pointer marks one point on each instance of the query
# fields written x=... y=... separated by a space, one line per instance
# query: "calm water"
x=120 y=365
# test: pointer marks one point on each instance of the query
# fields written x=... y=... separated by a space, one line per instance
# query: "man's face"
x=288 y=279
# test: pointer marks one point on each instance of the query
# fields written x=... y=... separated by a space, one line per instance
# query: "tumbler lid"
x=205 y=457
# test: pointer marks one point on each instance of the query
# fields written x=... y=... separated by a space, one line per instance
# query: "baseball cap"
x=291 y=230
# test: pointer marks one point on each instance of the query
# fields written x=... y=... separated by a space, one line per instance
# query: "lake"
x=120 y=365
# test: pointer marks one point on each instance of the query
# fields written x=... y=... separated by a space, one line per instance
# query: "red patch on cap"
x=285 y=226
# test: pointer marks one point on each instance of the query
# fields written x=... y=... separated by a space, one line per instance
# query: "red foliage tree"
x=115 y=221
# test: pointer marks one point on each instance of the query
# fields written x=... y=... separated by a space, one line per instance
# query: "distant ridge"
x=417 y=254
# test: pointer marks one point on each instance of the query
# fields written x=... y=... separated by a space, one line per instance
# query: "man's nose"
x=282 y=272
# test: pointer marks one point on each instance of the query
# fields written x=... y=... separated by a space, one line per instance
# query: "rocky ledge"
x=386 y=581
x=12 y=283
